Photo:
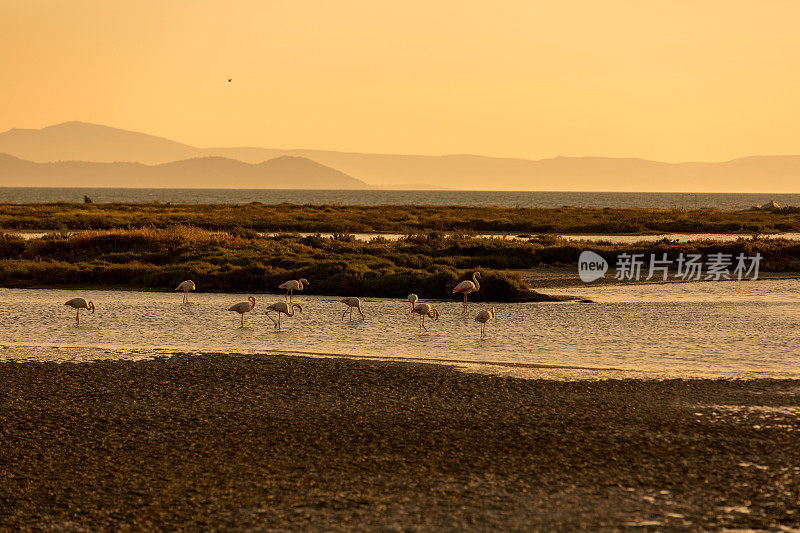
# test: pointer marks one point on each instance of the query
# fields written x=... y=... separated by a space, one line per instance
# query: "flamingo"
x=424 y=310
x=413 y=299
x=80 y=303
x=466 y=287
x=352 y=303
x=293 y=285
x=243 y=307
x=186 y=286
x=483 y=317
x=281 y=307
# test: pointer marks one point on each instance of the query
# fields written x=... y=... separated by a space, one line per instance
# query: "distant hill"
x=79 y=141
x=91 y=142
x=207 y=172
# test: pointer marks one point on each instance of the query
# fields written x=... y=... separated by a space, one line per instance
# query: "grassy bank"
x=395 y=219
x=430 y=265
x=157 y=259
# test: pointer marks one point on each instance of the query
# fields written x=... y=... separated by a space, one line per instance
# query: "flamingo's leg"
x=242 y=324
x=273 y=320
x=345 y=312
x=78 y=317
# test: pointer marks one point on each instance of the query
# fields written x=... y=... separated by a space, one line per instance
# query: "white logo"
x=591 y=266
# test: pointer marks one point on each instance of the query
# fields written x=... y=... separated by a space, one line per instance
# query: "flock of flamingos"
x=287 y=307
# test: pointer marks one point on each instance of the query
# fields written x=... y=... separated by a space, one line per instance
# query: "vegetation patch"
x=396 y=219
x=428 y=264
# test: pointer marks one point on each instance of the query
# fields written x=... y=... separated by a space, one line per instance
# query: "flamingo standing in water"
x=412 y=298
x=80 y=303
x=483 y=317
x=424 y=310
x=466 y=287
x=281 y=307
x=293 y=285
x=243 y=307
x=186 y=286
x=352 y=303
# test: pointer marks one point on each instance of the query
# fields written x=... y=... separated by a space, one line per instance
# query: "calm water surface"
x=731 y=329
x=374 y=197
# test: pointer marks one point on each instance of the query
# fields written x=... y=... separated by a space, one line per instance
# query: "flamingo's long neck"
x=475 y=281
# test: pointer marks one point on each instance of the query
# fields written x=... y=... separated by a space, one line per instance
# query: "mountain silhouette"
x=206 y=172
x=78 y=141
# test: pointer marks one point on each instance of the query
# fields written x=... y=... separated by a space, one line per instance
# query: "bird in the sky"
x=230 y=79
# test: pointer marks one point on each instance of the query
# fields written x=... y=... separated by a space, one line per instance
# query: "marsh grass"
x=429 y=264
x=157 y=258
x=395 y=219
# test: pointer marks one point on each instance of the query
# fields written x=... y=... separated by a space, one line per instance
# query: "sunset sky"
x=669 y=80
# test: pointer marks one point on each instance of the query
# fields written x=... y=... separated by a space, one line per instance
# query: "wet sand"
x=290 y=443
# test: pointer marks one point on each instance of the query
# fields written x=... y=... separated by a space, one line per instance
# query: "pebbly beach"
x=262 y=443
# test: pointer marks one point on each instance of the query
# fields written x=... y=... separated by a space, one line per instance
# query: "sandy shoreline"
x=276 y=442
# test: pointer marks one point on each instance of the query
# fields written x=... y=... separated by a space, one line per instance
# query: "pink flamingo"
x=293 y=285
x=243 y=307
x=412 y=298
x=483 y=317
x=80 y=303
x=186 y=286
x=352 y=303
x=281 y=307
x=466 y=287
x=424 y=310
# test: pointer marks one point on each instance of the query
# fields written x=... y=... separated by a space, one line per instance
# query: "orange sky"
x=670 y=80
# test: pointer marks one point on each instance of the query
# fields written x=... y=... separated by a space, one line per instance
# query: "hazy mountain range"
x=80 y=154
x=283 y=172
